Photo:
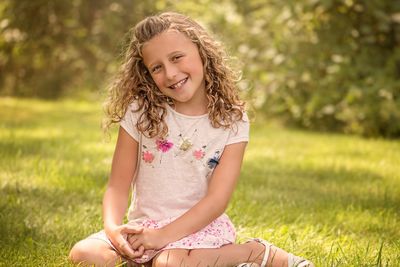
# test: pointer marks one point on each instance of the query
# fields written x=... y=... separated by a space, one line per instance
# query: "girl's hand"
x=118 y=237
x=149 y=239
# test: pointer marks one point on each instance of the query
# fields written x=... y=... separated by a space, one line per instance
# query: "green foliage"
x=331 y=65
x=327 y=65
x=332 y=198
x=49 y=47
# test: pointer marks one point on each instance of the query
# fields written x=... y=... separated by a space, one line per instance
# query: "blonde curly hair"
x=134 y=83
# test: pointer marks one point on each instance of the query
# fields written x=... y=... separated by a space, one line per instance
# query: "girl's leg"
x=92 y=251
x=228 y=255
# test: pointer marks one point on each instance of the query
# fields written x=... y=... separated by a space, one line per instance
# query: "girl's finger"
x=131 y=239
x=129 y=229
x=141 y=248
x=136 y=244
x=125 y=249
x=138 y=253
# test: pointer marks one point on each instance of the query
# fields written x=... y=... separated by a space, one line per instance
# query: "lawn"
x=332 y=198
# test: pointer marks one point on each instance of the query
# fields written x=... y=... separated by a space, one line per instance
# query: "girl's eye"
x=155 y=69
x=175 y=58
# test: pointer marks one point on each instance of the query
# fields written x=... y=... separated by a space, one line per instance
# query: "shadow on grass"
x=45 y=215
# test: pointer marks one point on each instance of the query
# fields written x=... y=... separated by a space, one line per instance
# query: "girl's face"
x=174 y=63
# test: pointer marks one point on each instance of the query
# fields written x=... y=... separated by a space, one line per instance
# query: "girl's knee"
x=170 y=262
x=171 y=259
x=77 y=253
x=88 y=252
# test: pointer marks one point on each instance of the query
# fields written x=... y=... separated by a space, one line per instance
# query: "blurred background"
x=329 y=65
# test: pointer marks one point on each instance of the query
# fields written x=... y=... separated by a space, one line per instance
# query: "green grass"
x=332 y=198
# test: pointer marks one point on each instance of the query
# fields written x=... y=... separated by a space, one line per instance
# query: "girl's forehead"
x=164 y=43
x=169 y=37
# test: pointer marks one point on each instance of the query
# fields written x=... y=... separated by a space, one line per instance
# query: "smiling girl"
x=183 y=132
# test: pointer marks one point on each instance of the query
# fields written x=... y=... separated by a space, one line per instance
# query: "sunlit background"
x=331 y=65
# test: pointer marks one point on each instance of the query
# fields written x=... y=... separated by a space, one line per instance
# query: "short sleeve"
x=240 y=132
x=129 y=121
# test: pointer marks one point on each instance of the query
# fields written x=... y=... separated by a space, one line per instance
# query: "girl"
x=182 y=136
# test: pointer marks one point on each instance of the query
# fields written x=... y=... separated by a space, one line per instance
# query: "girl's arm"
x=209 y=208
x=115 y=200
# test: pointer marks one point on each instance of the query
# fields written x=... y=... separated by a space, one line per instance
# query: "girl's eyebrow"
x=168 y=55
x=174 y=52
x=151 y=64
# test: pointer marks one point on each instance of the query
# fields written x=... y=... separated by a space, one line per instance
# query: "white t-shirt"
x=174 y=173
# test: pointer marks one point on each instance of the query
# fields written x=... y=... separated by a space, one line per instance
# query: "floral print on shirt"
x=184 y=145
x=147 y=156
x=214 y=161
x=199 y=154
x=161 y=145
x=164 y=145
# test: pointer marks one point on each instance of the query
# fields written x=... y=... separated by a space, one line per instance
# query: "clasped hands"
x=131 y=241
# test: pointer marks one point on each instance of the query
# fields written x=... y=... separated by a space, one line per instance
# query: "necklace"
x=185 y=142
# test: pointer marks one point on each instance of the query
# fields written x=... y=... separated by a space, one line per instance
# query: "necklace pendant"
x=185 y=144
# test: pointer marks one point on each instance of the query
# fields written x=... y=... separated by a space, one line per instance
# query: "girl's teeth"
x=179 y=84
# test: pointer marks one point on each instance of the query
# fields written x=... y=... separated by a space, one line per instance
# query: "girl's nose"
x=171 y=71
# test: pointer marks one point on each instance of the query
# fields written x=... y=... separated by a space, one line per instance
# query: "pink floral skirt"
x=218 y=233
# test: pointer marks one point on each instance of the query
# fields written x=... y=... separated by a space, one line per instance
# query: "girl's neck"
x=190 y=110
x=195 y=106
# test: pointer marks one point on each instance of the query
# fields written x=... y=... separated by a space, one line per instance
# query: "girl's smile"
x=178 y=84
x=175 y=65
